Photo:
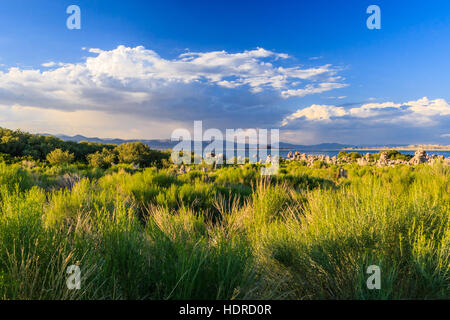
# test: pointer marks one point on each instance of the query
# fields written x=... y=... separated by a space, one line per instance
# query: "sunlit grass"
x=227 y=234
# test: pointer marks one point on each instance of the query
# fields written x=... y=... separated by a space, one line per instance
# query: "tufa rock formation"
x=419 y=157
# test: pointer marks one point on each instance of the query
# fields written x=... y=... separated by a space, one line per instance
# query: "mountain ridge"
x=164 y=144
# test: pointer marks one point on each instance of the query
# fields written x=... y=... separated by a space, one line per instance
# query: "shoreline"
x=415 y=148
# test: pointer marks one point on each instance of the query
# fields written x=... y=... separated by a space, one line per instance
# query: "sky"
x=313 y=69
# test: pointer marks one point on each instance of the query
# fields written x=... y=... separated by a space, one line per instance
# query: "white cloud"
x=371 y=109
x=417 y=121
x=128 y=71
x=241 y=89
x=221 y=68
x=316 y=113
x=420 y=111
x=49 y=64
x=311 y=89
x=338 y=98
x=426 y=107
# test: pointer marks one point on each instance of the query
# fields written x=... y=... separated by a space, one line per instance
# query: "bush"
x=102 y=159
x=59 y=157
x=352 y=155
x=140 y=154
x=19 y=144
x=397 y=155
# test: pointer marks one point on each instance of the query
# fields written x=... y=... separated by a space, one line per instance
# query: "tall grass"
x=227 y=234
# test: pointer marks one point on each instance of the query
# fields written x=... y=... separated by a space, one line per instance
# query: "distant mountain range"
x=164 y=144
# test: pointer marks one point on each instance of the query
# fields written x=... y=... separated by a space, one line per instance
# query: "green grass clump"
x=305 y=233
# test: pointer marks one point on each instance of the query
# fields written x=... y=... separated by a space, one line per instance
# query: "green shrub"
x=59 y=157
x=103 y=159
x=225 y=234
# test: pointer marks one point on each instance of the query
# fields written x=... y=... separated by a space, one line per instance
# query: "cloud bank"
x=422 y=120
x=135 y=93
x=221 y=88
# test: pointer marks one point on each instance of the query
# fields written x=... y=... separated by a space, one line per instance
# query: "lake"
x=284 y=152
x=331 y=153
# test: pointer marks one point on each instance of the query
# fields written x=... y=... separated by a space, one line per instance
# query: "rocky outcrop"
x=362 y=161
x=419 y=157
x=383 y=161
x=334 y=160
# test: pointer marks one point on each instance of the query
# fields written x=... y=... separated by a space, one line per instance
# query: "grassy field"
x=224 y=234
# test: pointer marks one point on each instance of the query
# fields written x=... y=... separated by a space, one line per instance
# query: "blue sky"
x=140 y=69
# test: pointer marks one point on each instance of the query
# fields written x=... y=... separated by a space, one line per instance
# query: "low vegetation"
x=140 y=230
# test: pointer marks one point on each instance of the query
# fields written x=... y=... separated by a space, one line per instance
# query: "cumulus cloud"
x=230 y=70
x=221 y=87
x=311 y=89
x=421 y=119
x=49 y=64
x=135 y=93
x=316 y=113
x=413 y=111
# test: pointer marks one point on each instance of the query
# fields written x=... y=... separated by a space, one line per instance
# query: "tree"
x=58 y=157
x=19 y=144
x=102 y=159
x=352 y=155
x=397 y=155
x=134 y=152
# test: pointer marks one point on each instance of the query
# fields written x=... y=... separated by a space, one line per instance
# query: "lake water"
x=331 y=153
x=284 y=152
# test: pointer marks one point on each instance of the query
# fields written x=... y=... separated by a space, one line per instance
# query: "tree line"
x=18 y=145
